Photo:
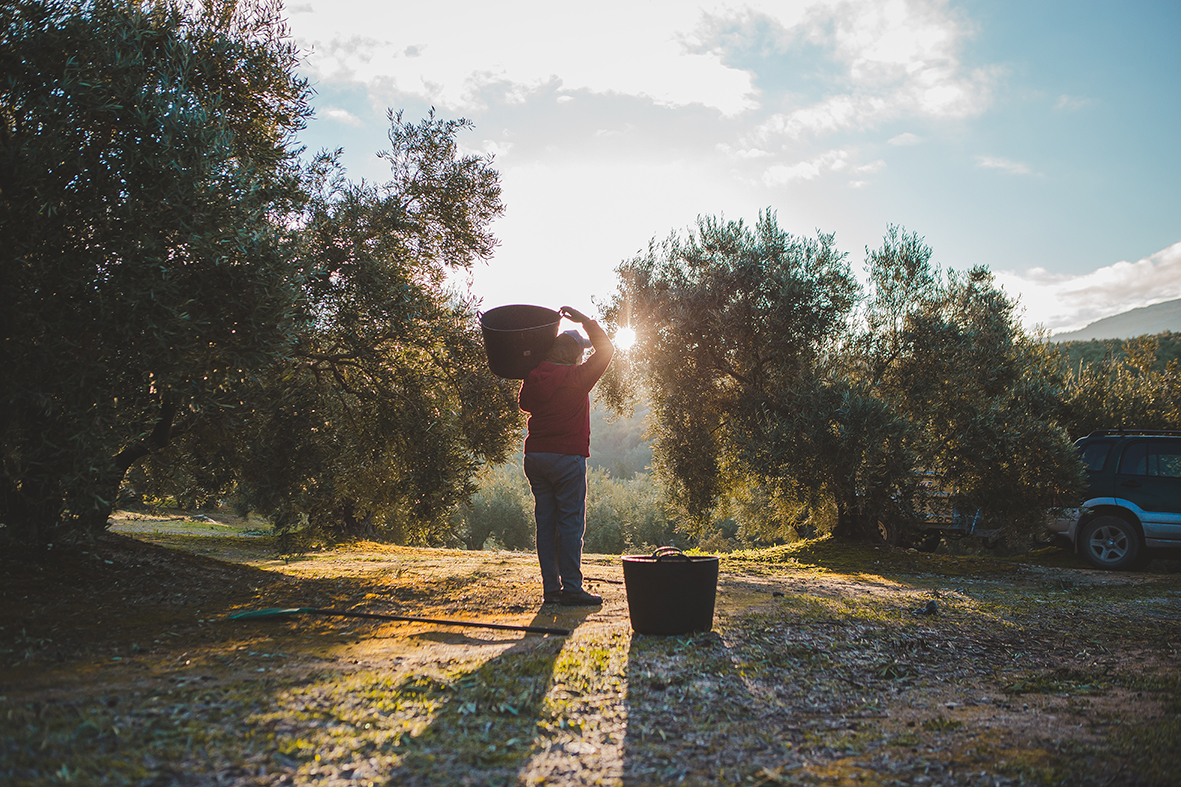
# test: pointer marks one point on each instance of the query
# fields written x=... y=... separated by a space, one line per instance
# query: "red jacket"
x=557 y=398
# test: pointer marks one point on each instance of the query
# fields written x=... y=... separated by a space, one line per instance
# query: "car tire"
x=885 y=533
x=1111 y=543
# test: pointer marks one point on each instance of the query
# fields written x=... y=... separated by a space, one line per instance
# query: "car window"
x=1094 y=456
x=1164 y=459
x=1152 y=458
x=1135 y=459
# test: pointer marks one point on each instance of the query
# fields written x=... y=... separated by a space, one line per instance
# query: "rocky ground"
x=119 y=664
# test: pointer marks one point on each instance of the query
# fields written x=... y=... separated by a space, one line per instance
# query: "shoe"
x=553 y=597
x=579 y=598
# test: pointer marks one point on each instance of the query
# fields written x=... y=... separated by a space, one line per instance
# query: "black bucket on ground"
x=517 y=338
x=669 y=592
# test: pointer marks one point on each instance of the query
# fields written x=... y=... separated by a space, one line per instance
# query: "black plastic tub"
x=517 y=338
x=669 y=592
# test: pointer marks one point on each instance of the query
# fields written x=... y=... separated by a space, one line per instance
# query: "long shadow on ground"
x=485 y=721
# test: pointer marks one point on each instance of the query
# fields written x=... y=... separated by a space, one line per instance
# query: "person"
x=556 y=396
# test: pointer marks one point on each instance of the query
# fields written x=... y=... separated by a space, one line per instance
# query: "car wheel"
x=1111 y=542
x=885 y=533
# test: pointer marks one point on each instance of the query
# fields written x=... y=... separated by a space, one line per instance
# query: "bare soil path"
x=119 y=665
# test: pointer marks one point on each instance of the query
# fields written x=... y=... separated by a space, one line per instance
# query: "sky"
x=1039 y=138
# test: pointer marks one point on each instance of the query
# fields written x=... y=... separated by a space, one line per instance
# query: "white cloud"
x=350 y=56
x=448 y=54
x=1064 y=303
x=491 y=147
x=1003 y=164
x=827 y=116
x=340 y=116
x=742 y=153
x=1072 y=103
x=900 y=59
x=831 y=161
x=905 y=139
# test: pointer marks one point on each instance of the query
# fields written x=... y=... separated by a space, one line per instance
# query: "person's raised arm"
x=604 y=349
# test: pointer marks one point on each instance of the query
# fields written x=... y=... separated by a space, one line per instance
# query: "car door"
x=1149 y=475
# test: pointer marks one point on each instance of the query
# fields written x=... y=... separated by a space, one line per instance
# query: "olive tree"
x=947 y=354
x=182 y=292
x=145 y=170
x=734 y=327
x=501 y=510
x=1123 y=390
x=767 y=368
x=377 y=420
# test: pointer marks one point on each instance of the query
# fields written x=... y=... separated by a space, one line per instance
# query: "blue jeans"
x=559 y=493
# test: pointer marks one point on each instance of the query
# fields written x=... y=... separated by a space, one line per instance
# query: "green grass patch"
x=1153 y=743
x=907 y=740
x=940 y=724
x=1155 y=747
x=1053 y=765
x=1062 y=682
x=829 y=554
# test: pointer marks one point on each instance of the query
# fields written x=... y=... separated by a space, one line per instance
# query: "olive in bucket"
x=669 y=592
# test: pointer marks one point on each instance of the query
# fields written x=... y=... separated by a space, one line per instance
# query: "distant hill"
x=1150 y=320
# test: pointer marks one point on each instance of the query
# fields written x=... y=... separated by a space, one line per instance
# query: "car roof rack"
x=1131 y=431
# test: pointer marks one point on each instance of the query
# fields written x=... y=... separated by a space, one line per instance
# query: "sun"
x=625 y=338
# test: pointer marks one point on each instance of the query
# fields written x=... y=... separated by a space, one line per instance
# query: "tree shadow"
x=199 y=696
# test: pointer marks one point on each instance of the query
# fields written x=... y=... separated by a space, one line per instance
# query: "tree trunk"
x=31 y=509
x=475 y=538
x=858 y=528
x=351 y=526
x=848 y=526
x=93 y=522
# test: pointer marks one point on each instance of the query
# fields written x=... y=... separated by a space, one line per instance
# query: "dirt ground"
x=120 y=664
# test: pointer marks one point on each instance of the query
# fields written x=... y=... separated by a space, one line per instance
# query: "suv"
x=1133 y=501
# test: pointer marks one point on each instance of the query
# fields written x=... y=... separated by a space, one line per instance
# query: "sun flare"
x=625 y=338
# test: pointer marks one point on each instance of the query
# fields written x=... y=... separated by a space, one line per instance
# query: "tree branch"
x=159 y=438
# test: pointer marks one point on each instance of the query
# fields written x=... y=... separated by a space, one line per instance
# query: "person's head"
x=567 y=348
